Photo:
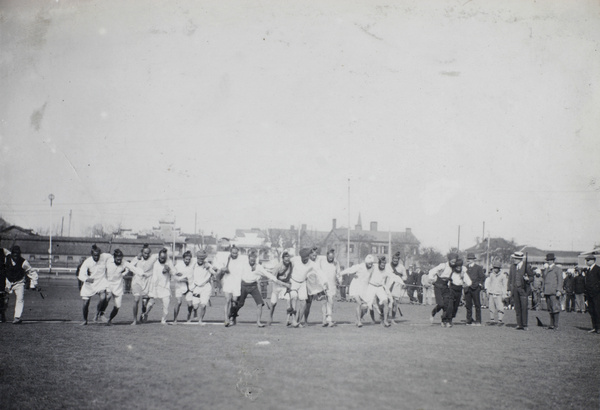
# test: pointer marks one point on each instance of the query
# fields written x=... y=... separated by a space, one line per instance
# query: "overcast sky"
x=257 y=113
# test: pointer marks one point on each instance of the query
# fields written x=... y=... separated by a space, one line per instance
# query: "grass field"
x=51 y=362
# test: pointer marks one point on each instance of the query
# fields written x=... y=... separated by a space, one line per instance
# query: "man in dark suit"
x=472 y=293
x=519 y=287
x=553 y=286
x=592 y=291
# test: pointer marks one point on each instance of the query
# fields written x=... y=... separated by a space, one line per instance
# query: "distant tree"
x=430 y=257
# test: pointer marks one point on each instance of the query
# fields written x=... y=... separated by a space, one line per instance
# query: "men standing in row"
x=473 y=292
x=519 y=280
x=14 y=271
x=553 y=285
x=592 y=291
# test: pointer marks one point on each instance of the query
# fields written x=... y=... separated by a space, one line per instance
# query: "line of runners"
x=299 y=280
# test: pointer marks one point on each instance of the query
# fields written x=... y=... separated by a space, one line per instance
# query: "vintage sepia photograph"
x=261 y=204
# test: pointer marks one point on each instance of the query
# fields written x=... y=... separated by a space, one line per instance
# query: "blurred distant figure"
x=592 y=291
x=579 y=290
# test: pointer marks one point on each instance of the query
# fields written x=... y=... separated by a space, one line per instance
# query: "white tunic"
x=161 y=279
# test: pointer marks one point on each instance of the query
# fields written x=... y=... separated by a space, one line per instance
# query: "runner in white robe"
x=93 y=275
x=359 y=285
x=140 y=284
x=303 y=269
x=230 y=270
x=183 y=277
x=115 y=270
x=160 y=285
x=283 y=272
x=315 y=284
x=200 y=285
x=329 y=268
x=397 y=287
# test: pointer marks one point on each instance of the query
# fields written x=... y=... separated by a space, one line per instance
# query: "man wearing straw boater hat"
x=553 y=284
x=519 y=280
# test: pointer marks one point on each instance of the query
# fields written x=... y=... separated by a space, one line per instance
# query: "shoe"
x=103 y=318
x=331 y=324
x=592 y=331
x=550 y=327
x=525 y=328
x=449 y=324
x=163 y=321
x=443 y=324
x=519 y=328
x=468 y=324
x=477 y=324
x=17 y=321
x=500 y=323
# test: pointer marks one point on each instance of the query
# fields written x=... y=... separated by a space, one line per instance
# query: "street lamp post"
x=51 y=198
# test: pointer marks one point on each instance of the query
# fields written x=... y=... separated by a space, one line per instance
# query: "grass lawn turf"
x=50 y=361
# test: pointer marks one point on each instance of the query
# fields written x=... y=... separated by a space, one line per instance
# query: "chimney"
x=374 y=226
x=408 y=231
x=304 y=227
x=292 y=227
x=334 y=223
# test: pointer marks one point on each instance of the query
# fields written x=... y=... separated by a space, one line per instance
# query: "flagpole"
x=348 y=237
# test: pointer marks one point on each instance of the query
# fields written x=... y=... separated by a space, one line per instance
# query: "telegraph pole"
x=51 y=198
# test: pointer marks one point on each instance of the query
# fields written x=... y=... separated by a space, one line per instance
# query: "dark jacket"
x=579 y=284
x=516 y=278
x=569 y=284
x=592 y=281
x=477 y=276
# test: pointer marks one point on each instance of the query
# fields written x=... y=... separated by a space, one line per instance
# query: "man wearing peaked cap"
x=496 y=285
x=553 y=285
x=519 y=287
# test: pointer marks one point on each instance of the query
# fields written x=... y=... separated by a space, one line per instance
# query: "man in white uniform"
x=283 y=272
x=140 y=284
x=397 y=288
x=329 y=268
x=200 y=285
x=183 y=278
x=160 y=287
x=251 y=274
x=93 y=275
x=230 y=270
x=115 y=270
x=302 y=268
x=359 y=285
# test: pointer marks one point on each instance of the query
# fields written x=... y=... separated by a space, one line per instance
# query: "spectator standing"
x=496 y=285
x=592 y=291
x=579 y=290
x=569 y=288
x=473 y=292
x=553 y=286
x=536 y=288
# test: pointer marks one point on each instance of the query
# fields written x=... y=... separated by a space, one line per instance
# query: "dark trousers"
x=570 y=302
x=594 y=309
x=473 y=297
x=520 y=301
x=456 y=295
x=443 y=300
x=247 y=289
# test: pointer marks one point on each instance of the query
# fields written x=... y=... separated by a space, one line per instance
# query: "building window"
x=384 y=249
x=69 y=258
x=351 y=248
x=31 y=257
x=55 y=258
x=373 y=248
